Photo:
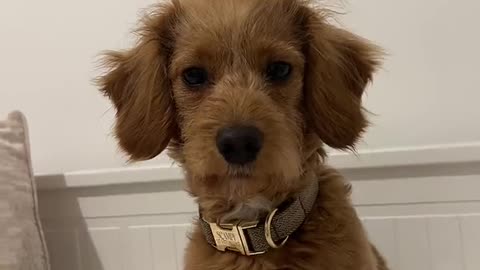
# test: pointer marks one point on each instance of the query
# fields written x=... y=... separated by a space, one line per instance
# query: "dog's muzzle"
x=254 y=238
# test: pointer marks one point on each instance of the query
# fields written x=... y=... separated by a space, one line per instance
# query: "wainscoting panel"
x=420 y=218
x=423 y=242
x=420 y=242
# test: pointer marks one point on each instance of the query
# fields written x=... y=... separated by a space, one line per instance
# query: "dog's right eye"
x=195 y=77
x=278 y=71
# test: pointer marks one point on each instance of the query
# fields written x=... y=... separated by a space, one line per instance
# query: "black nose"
x=239 y=145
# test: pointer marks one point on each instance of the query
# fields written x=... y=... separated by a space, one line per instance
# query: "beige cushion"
x=22 y=246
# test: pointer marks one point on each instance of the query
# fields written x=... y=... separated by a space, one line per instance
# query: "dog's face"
x=239 y=89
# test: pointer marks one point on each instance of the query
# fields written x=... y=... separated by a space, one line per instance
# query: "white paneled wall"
x=153 y=246
x=427 y=242
x=420 y=217
x=420 y=242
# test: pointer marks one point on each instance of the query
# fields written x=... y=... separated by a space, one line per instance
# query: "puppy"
x=244 y=94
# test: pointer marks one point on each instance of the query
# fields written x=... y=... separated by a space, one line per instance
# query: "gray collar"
x=258 y=237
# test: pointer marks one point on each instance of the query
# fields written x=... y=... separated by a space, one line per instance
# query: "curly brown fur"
x=319 y=103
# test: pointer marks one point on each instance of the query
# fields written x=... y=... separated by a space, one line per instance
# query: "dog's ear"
x=339 y=65
x=138 y=85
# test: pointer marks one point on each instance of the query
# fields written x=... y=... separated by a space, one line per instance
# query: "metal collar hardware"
x=232 y=237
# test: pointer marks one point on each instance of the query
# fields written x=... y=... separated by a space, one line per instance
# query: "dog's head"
x=238 y=89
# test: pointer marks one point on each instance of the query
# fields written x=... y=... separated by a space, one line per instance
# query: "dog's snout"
x=239 y=145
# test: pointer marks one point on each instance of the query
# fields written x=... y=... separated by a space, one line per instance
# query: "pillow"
x=22 y=245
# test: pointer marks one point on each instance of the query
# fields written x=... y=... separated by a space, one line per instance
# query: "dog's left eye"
x=195 y=77
x=278 y=71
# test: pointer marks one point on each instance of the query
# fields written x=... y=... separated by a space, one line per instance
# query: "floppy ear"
x=339 y=67
x=137 y=84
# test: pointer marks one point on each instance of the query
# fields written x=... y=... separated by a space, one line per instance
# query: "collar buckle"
x=231 y=237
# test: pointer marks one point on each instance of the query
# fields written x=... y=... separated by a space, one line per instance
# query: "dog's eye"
x=195 y=77
x=278 y=71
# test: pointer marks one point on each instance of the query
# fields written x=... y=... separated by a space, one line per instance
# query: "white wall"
x=427 y=93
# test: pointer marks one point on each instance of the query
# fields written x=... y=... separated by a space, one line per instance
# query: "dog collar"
x=254 y=238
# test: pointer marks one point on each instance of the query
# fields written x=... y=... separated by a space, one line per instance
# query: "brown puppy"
x=244 y=93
